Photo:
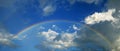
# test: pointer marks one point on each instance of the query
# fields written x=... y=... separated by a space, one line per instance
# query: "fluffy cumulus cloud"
x=107 y=27
x=83 y=38
x=50 y=35
x=100 y=17
x=115 y=5
x=66 y=40
x=107 y=23
x=55 y=40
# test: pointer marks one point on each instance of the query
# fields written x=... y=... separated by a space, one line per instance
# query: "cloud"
x=53 y=26
x=49 y=9
x=50 y=35
x=66 y=40
x=113 y=4
x=72 y=1
x=75 y=27
x=79 y=39
x=41 y=27
x=96 y=2
x=115 y=27
x=6 y=39
x=107 y=23
x=100 y=17
x=92 y=1
x=55 y=40
x=110 y=29
x=117 y=43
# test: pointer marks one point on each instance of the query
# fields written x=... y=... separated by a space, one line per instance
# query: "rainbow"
x=29 y=27
x=97 y=32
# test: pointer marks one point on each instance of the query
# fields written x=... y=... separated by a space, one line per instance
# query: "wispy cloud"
x=6 y=38
x=92 y=1
x=75 y=27
x=48 y=7
x=96 y=2
x=48 y=10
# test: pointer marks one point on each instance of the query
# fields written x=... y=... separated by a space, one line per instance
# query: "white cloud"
x=49 y=9
x=117 y=44
x=87 y=1
x=108 y=24
x=110 y=5
x=115 y=4
x=100 y=17
x=72 y=1
x=119 y=11
x=53 y=26
x=41 y=27
x=75 y=27
x=65 y=40
x=49 y=35
x=6 y=39
x=20 y=36
x=92 y=1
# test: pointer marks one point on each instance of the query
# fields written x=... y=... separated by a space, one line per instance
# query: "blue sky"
x=20 y=14
x=101 y=18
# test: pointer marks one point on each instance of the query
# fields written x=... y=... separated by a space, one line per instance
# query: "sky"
x=100 y=15
x=16 y=15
